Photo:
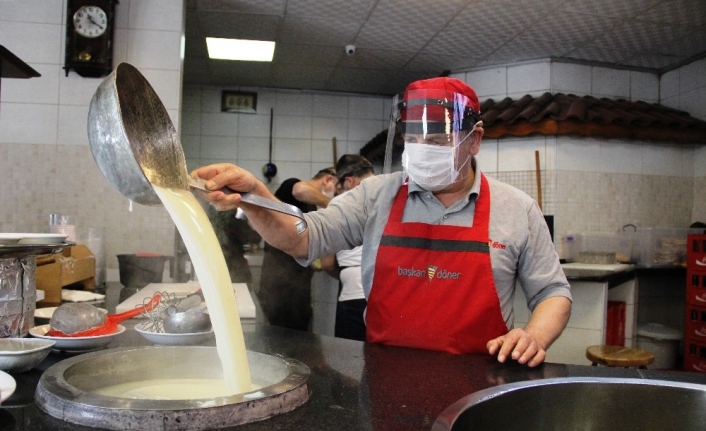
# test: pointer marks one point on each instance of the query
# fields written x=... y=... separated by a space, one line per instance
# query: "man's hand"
x=529 y=345
x=225 y=175
x=519 y=345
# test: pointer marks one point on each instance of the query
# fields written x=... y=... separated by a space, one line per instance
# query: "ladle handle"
x=129 y=314
x=258 y=201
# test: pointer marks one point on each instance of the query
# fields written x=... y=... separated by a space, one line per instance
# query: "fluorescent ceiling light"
x=239 y=49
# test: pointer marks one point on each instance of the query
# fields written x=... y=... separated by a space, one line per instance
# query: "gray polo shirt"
x=521 y=247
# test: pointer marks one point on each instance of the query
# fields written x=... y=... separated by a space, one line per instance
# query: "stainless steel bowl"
x=580 y=404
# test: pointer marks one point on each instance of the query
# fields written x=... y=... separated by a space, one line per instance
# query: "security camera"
x=350 y=49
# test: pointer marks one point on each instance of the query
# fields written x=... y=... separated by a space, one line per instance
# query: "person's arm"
x=529 y=344
x=305 y=192
x=276 y=228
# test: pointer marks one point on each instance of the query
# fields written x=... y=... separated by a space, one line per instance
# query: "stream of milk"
x=210 y=265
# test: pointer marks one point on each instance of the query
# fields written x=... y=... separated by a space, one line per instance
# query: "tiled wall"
x=598 y=185
x=304 y=126
x=47 y=166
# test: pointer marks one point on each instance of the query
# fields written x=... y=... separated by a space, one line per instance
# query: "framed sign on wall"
x=238 y=101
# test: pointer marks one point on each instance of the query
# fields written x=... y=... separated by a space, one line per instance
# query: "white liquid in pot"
x=210 y=265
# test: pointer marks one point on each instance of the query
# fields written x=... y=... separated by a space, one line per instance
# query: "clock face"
x=90 y=21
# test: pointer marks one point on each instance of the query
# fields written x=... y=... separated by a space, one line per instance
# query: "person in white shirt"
x=351 y=170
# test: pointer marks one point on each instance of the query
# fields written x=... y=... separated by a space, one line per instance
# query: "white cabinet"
x=587 y=325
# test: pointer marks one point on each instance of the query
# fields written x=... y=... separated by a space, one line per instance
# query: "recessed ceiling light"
x=240 y=49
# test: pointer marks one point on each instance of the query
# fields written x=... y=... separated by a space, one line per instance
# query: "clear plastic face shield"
x=436 y=127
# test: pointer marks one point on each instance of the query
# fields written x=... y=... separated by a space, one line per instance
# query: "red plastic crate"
x=696 y=252
x=615 y=324
x=694 y=355
x=695 y=322
x=696 y=288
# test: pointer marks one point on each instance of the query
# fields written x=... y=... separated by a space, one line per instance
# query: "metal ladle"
x=136 y=146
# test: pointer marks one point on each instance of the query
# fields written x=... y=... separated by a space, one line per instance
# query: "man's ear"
x=476 y=139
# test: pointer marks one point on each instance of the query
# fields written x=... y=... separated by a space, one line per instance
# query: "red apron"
x=433 y=286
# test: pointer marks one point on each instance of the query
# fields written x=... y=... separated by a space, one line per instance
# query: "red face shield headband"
x=438 y=105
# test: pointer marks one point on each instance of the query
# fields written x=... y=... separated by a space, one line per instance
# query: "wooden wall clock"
x=89 y=37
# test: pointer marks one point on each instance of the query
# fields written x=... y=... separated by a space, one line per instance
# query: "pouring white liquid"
x=210 y=265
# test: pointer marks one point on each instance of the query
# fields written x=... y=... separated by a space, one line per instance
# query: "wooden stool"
x=619 y=356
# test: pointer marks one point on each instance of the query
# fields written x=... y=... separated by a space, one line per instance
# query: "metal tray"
x=24 y=250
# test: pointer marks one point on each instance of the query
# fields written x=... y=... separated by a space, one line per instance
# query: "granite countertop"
x=354 y=385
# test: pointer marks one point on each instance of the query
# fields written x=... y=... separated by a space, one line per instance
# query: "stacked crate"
x=695 y=309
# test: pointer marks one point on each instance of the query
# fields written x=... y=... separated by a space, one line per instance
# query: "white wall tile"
x=550 y=154
x=219 y=147
x=75 y=89
x=573 y=154
x=191 y=124
x=27 y=123
x=364 y=130
x=156 y=15
x=254 y=125
x=330 y=106
x=327 y=128
x=72 y=125
x=669 y=84
x=266 y=102
x=36 y=11
x=43 y=89
x=211 y=99
x=292 y=127
x=291 y=150
x=488 y=155
x=294 y=104
x=692 y=76
x=671 y=102
x=693 y=103
x=661 y=160
x=120 y=44
x=122 y=14
x=322 y=152
x=149 y=49
x=191 y=144
x=191 y=99
x=293 y=169
x=570 y=78
x=644 y=86
x=220 y=124
x=254 y=148
x=531 y=78
x=366 y=108
x=488 y=82
x=620 y=157
x=33 y=42
x=518 y=154
x=164 y=82
x=700 y=162
x=612 y=83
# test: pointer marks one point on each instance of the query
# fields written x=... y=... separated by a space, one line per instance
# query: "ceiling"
x=399 y=41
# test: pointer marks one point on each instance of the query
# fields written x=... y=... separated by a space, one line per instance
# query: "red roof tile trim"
x=568 y=114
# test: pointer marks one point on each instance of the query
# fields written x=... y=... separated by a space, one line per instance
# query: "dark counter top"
x=354 y=385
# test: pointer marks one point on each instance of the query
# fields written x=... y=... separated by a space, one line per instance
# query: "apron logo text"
x=431 y=272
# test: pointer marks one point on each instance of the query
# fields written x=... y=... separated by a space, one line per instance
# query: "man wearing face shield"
x=443 y=244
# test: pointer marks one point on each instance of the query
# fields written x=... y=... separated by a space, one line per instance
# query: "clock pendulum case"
x=89 y=37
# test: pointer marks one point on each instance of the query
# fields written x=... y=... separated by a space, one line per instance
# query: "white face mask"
x=429 y=166
x=329 y=195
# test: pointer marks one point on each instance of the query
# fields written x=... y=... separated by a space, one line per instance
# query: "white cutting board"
x=615 y=267
x=246 y=306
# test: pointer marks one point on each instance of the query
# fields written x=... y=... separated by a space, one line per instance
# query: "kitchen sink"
x=585 y=404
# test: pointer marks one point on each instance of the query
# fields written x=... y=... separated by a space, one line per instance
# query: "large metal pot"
x=132 y=138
